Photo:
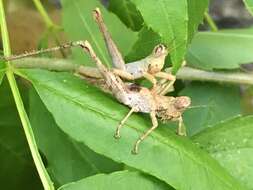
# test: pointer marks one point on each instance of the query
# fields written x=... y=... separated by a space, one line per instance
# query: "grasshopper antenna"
x=202 y=106
x=32 y=53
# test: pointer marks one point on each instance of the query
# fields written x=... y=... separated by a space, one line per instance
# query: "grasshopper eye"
x=160 y=50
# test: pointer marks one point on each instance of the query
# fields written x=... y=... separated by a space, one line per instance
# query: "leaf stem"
x=185 y=73
x=51 y=27
x=43 y=13
x=211 y=22
x=47 y=183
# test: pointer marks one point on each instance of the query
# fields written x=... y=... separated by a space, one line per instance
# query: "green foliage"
x=78 y=160
x=2 y=71
x=231 y=143
x=160 y=30
x=221 y=50
x=159 y=17
x=147 y=40
x=211 y=104
x=117 y=180
x=17 y=168
x=127 y=12
x=82 y=111
x=74 y=122
x=79 y=25
x=249 y=5
x=196 y=11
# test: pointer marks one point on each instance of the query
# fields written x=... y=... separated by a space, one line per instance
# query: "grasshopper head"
x=160 y=50
x=182 y=102
x=172 y=107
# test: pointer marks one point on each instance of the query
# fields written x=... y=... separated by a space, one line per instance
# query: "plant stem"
x=211 y=22
x=51 y=27
x=185 y=73
x=43 y=13
x=47 y=183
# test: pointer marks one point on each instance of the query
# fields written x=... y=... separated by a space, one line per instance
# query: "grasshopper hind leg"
x=122 y=122
x=146 y=134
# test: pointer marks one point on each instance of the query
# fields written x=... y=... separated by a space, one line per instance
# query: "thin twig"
x=211 y=22
x=45 y=179
x=185 y=73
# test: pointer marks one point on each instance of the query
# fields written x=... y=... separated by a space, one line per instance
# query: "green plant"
x=72 y=122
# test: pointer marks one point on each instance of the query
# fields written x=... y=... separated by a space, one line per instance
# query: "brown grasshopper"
x=140 y=99
x=149 y=67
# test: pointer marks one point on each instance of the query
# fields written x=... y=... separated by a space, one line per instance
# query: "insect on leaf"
x=90 y=117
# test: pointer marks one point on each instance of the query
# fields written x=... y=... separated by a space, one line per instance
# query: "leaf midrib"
x=206 y=168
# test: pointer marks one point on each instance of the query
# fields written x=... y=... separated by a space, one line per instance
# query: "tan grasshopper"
x=149 y=67
x=140 y=99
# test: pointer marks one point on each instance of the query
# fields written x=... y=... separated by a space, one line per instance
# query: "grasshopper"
x=140 y=99
x=149 y=67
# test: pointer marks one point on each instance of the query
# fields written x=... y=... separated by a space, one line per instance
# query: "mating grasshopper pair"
x=138 y=98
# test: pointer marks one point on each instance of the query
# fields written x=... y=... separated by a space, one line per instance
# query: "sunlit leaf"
x=211 y=104
x=89 y=116
x=169 y=20
x=79 y=25
x=119 y=180
x=67 y=159
x=127 y=12
x=221 y=50
x=231 y=143
x=196 y=11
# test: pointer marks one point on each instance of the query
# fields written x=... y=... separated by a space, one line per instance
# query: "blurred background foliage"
x=27 y=32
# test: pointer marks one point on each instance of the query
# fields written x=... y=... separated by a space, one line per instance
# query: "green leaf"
x=90 y=117
x=127 y=13
x=124 y=180
x=78 y=160
x=147 y=40
x=196 y=10
x=79 y=24
x=211 y=104
x=249 y=5
x=231 y=143
x=169 y=20
x=17 y=168
x=2 y=71
x=1 y=76
x=221 y=50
